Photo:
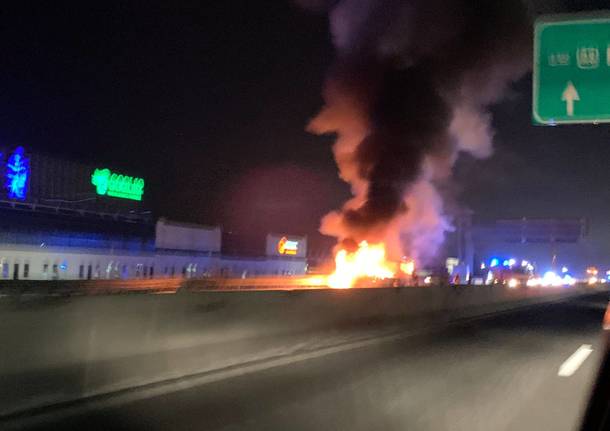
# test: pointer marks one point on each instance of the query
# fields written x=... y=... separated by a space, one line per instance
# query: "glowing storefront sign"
x=17 y=174
x=108 y=183
x=285 y=246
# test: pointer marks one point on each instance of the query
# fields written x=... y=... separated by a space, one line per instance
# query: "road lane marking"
x=574 y=362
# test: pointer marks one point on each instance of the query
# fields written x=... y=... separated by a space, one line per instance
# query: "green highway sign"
x=572 y=69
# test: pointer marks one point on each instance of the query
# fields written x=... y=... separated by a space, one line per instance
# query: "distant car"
x=512 y=276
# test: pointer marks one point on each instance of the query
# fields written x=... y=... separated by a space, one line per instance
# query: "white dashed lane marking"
x=574 y=362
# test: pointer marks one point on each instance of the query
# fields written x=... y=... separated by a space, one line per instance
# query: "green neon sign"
x=108 y=183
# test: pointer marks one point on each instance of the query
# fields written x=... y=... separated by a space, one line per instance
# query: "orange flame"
x=367 y=261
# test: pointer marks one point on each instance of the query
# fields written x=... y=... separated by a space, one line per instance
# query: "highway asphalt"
x=530 y=369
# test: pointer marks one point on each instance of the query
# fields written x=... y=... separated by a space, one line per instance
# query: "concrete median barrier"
x=57 y=348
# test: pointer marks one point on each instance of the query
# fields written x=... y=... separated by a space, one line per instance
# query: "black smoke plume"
x=408 y=91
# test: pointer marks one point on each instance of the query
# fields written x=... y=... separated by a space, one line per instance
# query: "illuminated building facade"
x=66 y=220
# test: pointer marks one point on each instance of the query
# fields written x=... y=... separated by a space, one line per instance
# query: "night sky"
x=209 y=100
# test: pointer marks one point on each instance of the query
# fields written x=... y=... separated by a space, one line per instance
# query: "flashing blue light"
x=17 y=173
x=494 y=262
x=506 y=262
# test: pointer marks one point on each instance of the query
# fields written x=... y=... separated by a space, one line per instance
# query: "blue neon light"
x=494 y=262
x=17 y=174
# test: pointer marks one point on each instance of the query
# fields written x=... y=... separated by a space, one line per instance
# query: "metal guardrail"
x=156 y=286
x=88 y=287
x=175 y=285
x=255 y=283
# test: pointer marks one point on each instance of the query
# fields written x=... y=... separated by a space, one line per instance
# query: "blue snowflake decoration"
x=17 y=173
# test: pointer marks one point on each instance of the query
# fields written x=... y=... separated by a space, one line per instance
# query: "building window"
x=45 y=269
x=16 y=271
x=152 y=271
x=125 y=272
x=145 y=271
x=89 y=270
x=191 y=270
x=184 y=271
x=4 y=266
x=26 y=270
x=173 y=271
x=81 y=271
x=55 y=271
x=109 y=270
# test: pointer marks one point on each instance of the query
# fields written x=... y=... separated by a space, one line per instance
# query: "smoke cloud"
x=408 y=91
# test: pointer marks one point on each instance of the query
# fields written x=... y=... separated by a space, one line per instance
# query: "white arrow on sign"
x=569 y=96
